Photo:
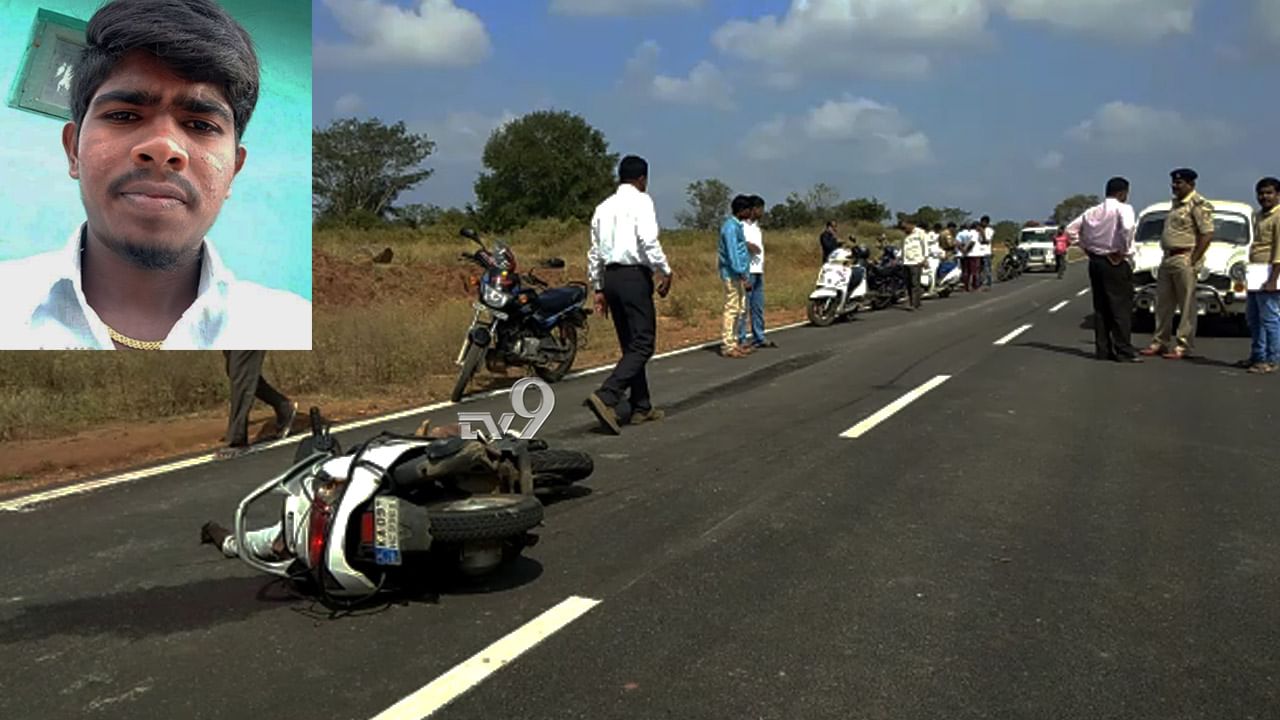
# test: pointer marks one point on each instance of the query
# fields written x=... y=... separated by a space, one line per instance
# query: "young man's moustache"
x=189 y=195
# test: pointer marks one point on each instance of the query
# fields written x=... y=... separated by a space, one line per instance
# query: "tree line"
x=550 y=165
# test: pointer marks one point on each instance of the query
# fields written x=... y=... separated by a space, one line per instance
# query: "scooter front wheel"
x=822 y=311
x=470 y=363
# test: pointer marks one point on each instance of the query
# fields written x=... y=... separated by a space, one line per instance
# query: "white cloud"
x=435 y=34
x=1051 y=160
x=1125 y=20
x=879 y=136
x=1129 y=128
x=904 y=38
x=348 y=104
x=460 y=136
x=621 y=7
x=705 y=85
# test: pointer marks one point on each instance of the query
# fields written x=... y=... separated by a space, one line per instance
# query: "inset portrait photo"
x=157 y=156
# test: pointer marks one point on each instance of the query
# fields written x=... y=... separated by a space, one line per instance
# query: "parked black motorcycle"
x=516 y=324
x=887 y=278
x=1013 y=264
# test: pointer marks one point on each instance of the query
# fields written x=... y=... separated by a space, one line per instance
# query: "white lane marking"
x=26 y=502
x=1005 y=340
x=447 y=687
x=892 y=408
x=1059 y=306
x=1083 y=292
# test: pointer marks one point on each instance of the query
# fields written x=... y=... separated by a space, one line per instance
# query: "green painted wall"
x=264 y=229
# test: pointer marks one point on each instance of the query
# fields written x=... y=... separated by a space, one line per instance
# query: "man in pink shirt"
x=1105 y=231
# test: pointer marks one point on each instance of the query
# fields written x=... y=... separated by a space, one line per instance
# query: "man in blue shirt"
x=734 y=265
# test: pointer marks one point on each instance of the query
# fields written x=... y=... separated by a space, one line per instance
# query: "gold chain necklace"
x=130 y=342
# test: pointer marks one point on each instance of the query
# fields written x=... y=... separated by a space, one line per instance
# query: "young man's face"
x=1267 y=197
x=155 y=158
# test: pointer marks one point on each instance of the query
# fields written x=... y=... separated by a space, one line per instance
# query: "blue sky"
x=1002 y=107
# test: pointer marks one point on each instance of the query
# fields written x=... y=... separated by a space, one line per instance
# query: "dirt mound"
x=357 y=281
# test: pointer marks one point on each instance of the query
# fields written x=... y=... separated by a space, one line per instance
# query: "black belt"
x=620 y=266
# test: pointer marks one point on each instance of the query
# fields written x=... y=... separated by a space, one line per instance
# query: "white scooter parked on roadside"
x=840 y=290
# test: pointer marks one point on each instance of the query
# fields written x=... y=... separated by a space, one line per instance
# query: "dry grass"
x=380 y=348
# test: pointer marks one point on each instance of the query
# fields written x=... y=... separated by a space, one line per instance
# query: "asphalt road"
x=1041 y=535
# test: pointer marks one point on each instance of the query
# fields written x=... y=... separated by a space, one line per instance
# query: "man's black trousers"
x=628 y=290
x=1112 y=288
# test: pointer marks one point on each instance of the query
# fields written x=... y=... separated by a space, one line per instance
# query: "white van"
x=1038 y=242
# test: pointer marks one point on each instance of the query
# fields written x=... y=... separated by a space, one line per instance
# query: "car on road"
x=1220 y=287
x=1037 y=241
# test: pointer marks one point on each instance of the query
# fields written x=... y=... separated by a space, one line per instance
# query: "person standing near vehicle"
x=967 y=247
x=829 y=240
x=986 y=239
x=735 y=266
x=755 y=298
x=1263 y=310
x=624 y=256
x=244 y=370
x=1105 y=232
x=1188 y=230
x=1060 y=242
x=915 y=250
x=947 y=240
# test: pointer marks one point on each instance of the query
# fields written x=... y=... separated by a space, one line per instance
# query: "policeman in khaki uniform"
x=1188 y=230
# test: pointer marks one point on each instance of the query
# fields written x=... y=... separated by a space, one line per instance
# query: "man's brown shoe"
x=607 y=416
x=650 y=415
x=733 y=352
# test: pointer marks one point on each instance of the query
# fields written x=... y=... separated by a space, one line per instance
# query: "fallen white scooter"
x=941 y=278
x=841 y=288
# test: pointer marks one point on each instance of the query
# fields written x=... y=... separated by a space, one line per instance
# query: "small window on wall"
x=43 y=82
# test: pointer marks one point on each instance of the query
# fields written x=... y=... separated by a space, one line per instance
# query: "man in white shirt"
x=155 y=154
x=986 y=239
x=755 y=296
x=966 y=250
x=1105 y=232
x=915 y=251
x=624 y=256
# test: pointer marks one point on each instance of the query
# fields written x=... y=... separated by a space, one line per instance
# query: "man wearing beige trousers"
x=1188 y=230
x=735 y=266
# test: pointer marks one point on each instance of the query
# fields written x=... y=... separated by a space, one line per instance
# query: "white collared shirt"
x=624 y=230
x=755 y=236
x=45 y=309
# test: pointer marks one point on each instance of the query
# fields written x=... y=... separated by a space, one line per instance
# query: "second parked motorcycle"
x=517 y=325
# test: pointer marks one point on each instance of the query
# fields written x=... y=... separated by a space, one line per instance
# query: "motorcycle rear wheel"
x=557 y=468
x=471 y=361
x=568 y=338
x=822 y=311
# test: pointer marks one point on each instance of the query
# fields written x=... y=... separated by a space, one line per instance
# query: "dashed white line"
x=1083 y=292
x=1059 y=306
x=444 y=689
x=1005 y=340
x=892 y=408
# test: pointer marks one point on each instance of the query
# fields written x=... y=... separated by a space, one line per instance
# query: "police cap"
x=1186 y=174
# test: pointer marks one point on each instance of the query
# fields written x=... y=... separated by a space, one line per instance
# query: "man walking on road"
x=735 y=265
x=624 y=256
x=915 y=249
x=244 y=370
x=1060 y=243
x=1263 y=308
x=755 y=299
x=1188 y=230
x=1105 y=233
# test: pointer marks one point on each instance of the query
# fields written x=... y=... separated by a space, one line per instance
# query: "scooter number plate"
x=836 y=276
x=386 y=531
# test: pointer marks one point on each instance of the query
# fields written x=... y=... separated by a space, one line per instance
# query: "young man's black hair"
x=1268 y=182
x=740 y=205
x=1117 y=186
x=632 y=168
x=196 y=39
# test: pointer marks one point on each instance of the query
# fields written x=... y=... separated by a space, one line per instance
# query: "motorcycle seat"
x=556 y=300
